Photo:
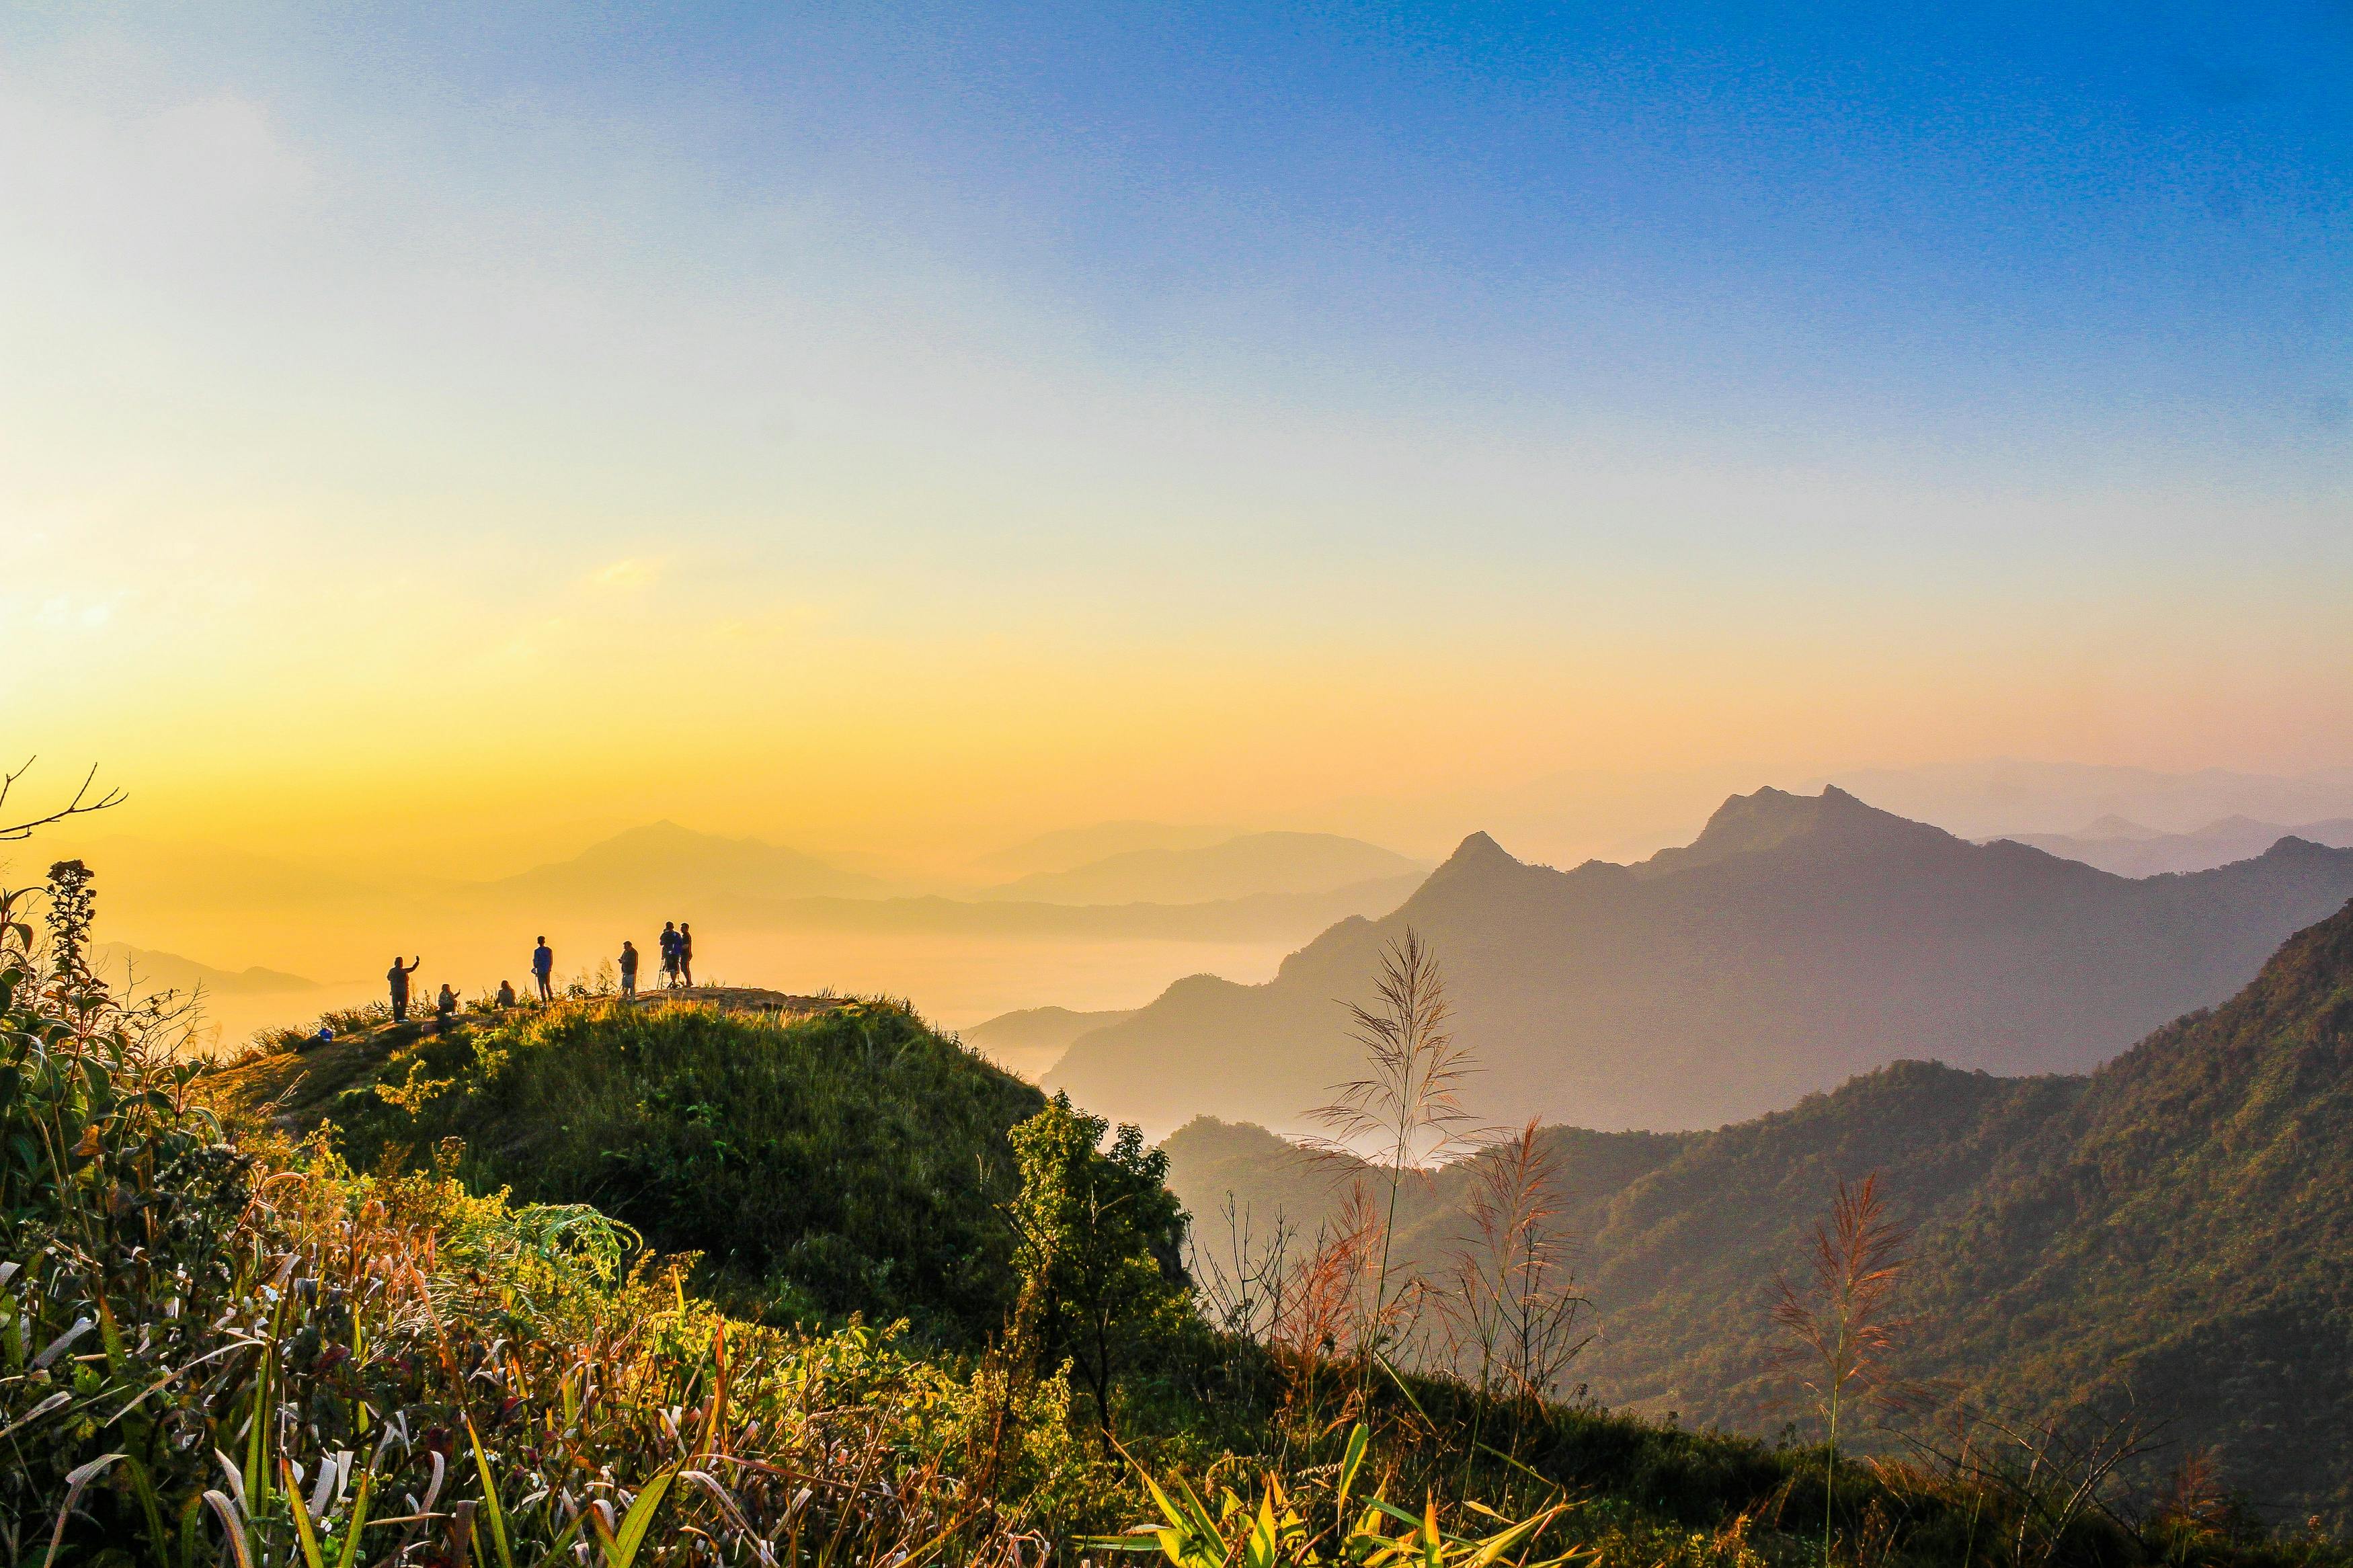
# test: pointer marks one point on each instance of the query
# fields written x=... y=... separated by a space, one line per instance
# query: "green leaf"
x=302 y=1530
x=490 y=1496
x=358 y=1523
x=1360 y=1441
x=622 y=1550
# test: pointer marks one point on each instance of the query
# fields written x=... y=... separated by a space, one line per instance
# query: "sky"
x=434 y=437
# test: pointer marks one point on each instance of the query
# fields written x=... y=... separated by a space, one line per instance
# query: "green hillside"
x=848 y=1161
x=2172 y=1234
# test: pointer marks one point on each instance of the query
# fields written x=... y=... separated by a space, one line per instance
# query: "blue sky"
x=2060 y=231
x=1114 y=401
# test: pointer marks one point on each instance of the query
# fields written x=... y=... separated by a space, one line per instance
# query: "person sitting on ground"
x=670 y=952
x=325 y=1037
x=445 y=1009
x=542 y=969
x=398 y=978
x=628 y=968
x=685 y=953
x=507 y=997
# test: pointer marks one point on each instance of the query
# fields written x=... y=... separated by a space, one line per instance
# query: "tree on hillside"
x=1098 y=1240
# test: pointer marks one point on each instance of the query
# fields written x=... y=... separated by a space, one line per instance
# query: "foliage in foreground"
x=222 y=1347
x=852 y=1162
x=208 y=1347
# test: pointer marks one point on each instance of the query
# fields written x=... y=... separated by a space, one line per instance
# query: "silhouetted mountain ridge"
x=1798 y=941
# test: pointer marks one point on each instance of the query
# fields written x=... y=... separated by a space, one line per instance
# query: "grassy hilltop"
x=851 y=1161
x=403 y=1298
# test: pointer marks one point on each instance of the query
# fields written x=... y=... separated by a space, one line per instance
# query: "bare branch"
x=81 y=805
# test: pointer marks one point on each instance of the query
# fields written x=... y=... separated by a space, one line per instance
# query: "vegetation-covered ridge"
x=2168 y=1242
x=220 y=1344
x=848 y=1161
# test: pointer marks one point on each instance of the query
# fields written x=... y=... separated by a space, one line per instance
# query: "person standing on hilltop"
x=629 y=969
x=670 y=952
x=542 y=969
x=685 y=953
x=398 y=976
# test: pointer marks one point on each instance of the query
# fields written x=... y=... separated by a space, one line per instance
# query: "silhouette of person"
x=398 y=976
x=325 y=1037
x=506 y=994
x=670 y=952
x=542 y=969
x=685 y=953
x=629 y=969
x=445 y=1009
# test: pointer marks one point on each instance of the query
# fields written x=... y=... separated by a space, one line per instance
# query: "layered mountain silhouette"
x=2168 y=1238
x=1798 y=941
x=1238 y=867
x=2113 y=844
x=1033 y=1040
x=1066 y=848
x=2002 y=796
x=663 y=863
x=146 y=971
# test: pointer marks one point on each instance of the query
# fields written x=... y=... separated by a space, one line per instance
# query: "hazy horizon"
x=895 y=435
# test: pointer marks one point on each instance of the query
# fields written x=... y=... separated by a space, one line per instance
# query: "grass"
x=225 y=1344
x=852 y=1162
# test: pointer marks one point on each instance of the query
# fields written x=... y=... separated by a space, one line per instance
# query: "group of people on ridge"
x=676 y=958
x=676 y=967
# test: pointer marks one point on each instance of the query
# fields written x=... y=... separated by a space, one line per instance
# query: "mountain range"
x=1796 y=940
x=1033 y=1040
x=2009 y=795
x=2129 y=849
x=146 y=972
x=2170 y=1236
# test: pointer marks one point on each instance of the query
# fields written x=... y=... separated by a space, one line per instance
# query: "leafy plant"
x=1098 y=1239
x=1286 y=1529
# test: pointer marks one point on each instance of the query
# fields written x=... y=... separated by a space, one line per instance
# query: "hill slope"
x=1800 y=940
x=854 y=1155
x=2174 y=1231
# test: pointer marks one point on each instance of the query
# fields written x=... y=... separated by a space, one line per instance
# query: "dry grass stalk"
x=1842 y=1320
x=1403 y=1115
x=1513 y=1303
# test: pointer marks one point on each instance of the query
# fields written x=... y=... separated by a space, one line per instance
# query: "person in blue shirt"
x=542 y=969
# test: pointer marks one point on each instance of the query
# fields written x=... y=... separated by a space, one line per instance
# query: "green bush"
x=849 y=1162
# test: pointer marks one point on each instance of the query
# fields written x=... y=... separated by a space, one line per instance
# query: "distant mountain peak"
x=1481 y=846
x=1769 y=818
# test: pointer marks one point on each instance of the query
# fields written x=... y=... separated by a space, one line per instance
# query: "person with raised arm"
x=397 y=978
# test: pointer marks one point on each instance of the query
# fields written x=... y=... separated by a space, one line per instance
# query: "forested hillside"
x=2171 y=1234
